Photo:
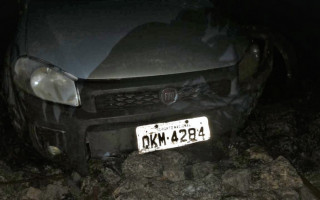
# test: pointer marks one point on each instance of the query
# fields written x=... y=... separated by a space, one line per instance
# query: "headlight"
x=250 y=62
x=45 y=82
x=54 y=86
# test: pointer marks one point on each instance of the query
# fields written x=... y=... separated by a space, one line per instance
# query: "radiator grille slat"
x=126 y=100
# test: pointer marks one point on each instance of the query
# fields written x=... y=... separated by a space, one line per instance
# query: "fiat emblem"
x=168 y=96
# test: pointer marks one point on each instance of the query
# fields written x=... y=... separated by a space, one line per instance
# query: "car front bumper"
x=105 y=124
x=80 y=136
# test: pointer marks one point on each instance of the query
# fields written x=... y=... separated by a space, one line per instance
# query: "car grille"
x=125 y=100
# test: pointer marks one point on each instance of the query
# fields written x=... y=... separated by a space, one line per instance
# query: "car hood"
x=124 y=39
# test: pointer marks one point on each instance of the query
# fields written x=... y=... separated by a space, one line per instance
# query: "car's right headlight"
x=249 y=64
x=46 y=82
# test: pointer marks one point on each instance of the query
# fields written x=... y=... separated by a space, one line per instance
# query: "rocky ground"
x=276 y=156
x=163 y=175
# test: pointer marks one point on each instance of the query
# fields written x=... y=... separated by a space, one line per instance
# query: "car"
x=94 y=79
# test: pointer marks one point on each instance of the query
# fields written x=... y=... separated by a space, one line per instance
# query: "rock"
x=109 y=176
x=143 y=188
x=314 y=178
x=259 y=153
x=89 y=185
x=76 y=177
x=32 y=169
x=274 y=127
x=208 y=187
x=2 y=179
x=263 y=195
x=31 y=194
x=144 y=195
x=174 y=175
x=134 y=195
x=145 y=165
x=173 y=163
x=130 y=184
x=236 y=182
x=74 y=189
x=93 y=189
x=172 y=159
x=201 y=170
x=52 y=171
x=288 y=194
x=105 y=174
x=169 y=175
x=306 y=194
x=55 y=191
x=278 y=174
x=314 y=126
x=280 y=120
x=266 y=180
x=236 y=198
x=6 y=173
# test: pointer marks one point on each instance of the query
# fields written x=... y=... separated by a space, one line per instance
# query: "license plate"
x=173 y=134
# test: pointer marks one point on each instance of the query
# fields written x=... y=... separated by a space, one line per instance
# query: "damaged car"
x=94 y=79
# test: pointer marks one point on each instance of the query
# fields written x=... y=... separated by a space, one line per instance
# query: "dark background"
x=297 y=20
x=8 y=19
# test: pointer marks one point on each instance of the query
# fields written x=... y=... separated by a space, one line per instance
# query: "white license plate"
x=173 y=134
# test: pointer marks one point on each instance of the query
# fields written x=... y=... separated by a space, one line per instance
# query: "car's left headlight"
x=45 y=82
x=51 y=85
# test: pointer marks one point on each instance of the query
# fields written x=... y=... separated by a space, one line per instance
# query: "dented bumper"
x=104 y=125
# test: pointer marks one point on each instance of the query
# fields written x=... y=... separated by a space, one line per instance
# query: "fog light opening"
x=88 y=156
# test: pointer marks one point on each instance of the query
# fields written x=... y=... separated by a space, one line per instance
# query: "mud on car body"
x=93 y=79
